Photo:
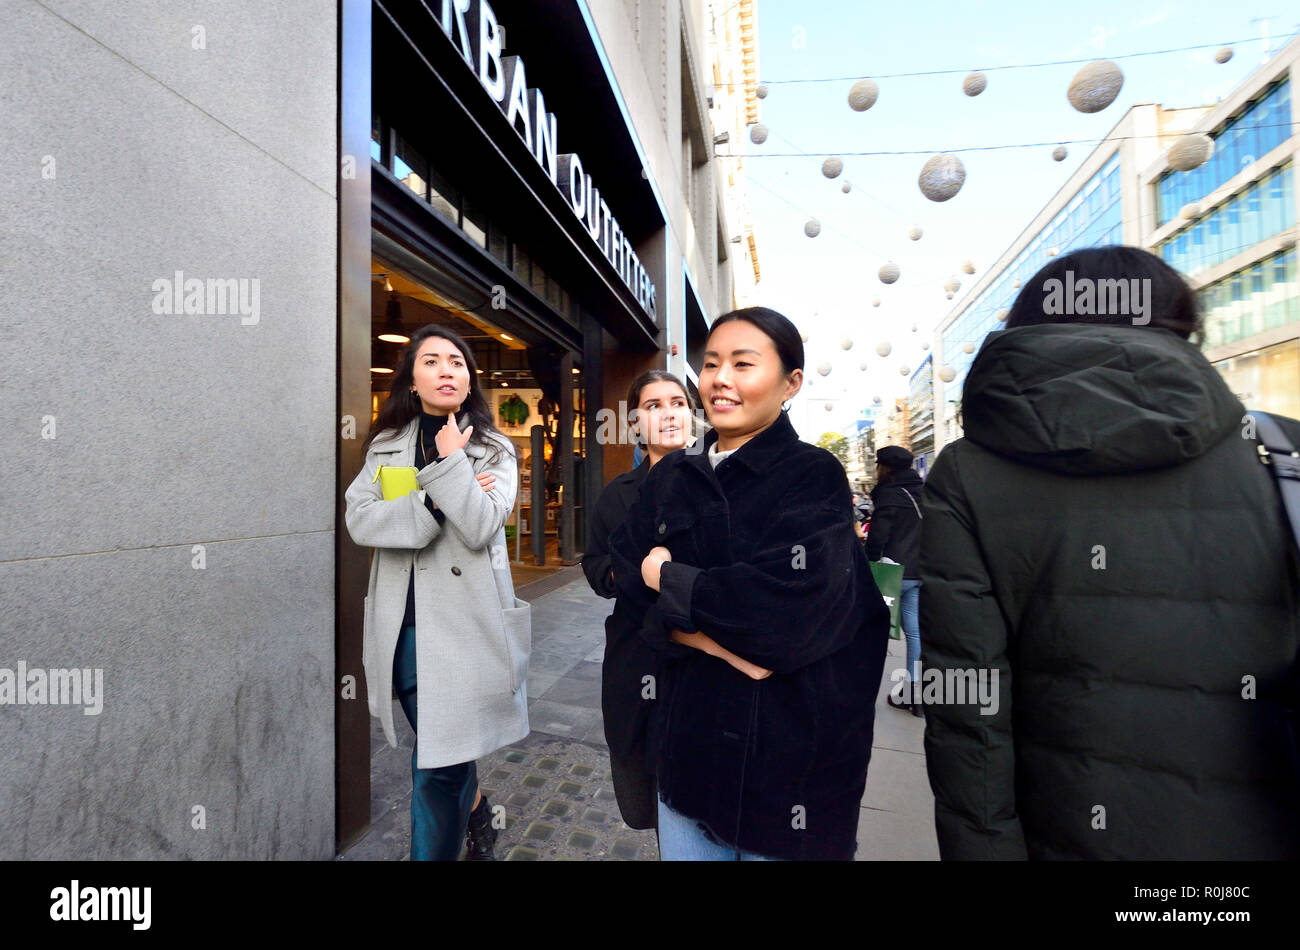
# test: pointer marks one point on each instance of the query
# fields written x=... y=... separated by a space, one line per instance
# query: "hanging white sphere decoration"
x=942 y=177
x=968 y=267
x=862 y=366
x=804 y=337
x=824 y=368
x=914 y=328
x=974 y=83
x=846 y=344
x=875 y=400
x=832 y=167
x=904 y=370
x=846 y=188
x=1191 y=151
x=947 y=294
x=888 y=273
x=1095 y=86
x=1002 y=315
x=761 y=91
x=883 y=349
x=828 y=407
x=1016 y=284
x=758 y=133
x=914 y=233
x=1059 y=153
x=812 y=227
x=1053 y=251
x=1223 y=55
x=1190 y=211
x=862 y=95
x=947 y=374
x=968 y=347
x=925 y=346
x=875 y=301
x=952 y=285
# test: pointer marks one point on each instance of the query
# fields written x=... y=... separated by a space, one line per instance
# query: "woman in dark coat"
x=896 y=534
x=1105 y=538
x=662 y=412
x=742 y=553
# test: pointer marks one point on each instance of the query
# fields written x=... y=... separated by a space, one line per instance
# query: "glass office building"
x=1092 y=216
x=1229 y=227
x=1250 y=135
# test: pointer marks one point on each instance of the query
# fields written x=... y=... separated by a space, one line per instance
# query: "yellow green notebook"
x=396 y=480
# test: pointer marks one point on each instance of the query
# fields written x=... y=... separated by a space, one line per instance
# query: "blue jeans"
x=682 y=839
x=910 y=617
x=441 y=798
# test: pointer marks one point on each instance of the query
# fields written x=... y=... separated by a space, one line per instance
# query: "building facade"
x=541 y=178
x=1230 y=227
x=920 y=414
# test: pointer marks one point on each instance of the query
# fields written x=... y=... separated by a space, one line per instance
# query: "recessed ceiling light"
x=507 y=336
x=380 y=369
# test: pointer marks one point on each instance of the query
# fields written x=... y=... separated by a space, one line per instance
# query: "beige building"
x=735 y=106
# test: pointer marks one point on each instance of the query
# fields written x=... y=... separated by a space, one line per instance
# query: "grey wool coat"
x=472 y=634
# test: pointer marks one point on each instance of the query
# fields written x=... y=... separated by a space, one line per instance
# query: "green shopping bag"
x=889 y=578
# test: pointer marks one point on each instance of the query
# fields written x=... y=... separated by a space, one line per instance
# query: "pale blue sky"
x=825 y=284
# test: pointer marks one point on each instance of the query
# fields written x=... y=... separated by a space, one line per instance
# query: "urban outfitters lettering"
x=474 y=30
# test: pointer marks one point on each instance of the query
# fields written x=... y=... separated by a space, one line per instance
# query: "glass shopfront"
x=1267 y=379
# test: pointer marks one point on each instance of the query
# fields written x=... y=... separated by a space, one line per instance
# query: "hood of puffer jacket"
x=1083 y=399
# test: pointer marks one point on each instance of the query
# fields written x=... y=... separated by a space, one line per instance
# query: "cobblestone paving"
x=554 y=785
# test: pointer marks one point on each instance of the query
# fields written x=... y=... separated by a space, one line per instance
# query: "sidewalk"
x=555 y=786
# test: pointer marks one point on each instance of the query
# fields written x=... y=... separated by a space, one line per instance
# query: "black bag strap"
x=1283 y=461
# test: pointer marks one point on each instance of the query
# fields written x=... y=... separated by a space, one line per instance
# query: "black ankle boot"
x=480 y=836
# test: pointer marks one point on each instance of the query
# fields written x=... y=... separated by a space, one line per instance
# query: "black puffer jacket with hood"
x=1105 y=538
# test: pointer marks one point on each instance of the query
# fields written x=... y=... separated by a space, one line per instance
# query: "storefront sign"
x=473 y=29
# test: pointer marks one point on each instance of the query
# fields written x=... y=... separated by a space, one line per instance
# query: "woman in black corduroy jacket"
x=742 y=552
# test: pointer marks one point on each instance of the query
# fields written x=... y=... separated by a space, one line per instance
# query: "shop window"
x=522 y=265
x=444 y=197
x=411 y=168
x=475 y=224
x=498 y=246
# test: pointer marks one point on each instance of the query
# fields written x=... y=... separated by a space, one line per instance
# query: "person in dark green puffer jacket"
x=1105 y=538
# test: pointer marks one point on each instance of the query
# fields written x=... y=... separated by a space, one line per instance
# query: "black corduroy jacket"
x=766 y=562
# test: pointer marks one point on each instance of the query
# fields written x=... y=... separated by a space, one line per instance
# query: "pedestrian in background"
x=741 y=552
x=661 y=412
x=439 y=600
x=896 y=534
x=1106 y=540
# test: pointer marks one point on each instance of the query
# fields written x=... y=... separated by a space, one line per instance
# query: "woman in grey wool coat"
x=443 y=628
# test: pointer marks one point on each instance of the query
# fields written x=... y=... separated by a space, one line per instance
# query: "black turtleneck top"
x=429 y=426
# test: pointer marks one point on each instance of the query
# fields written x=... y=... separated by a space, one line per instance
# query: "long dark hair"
x=1172 y=304
x=644 y=380
x=403 y=405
